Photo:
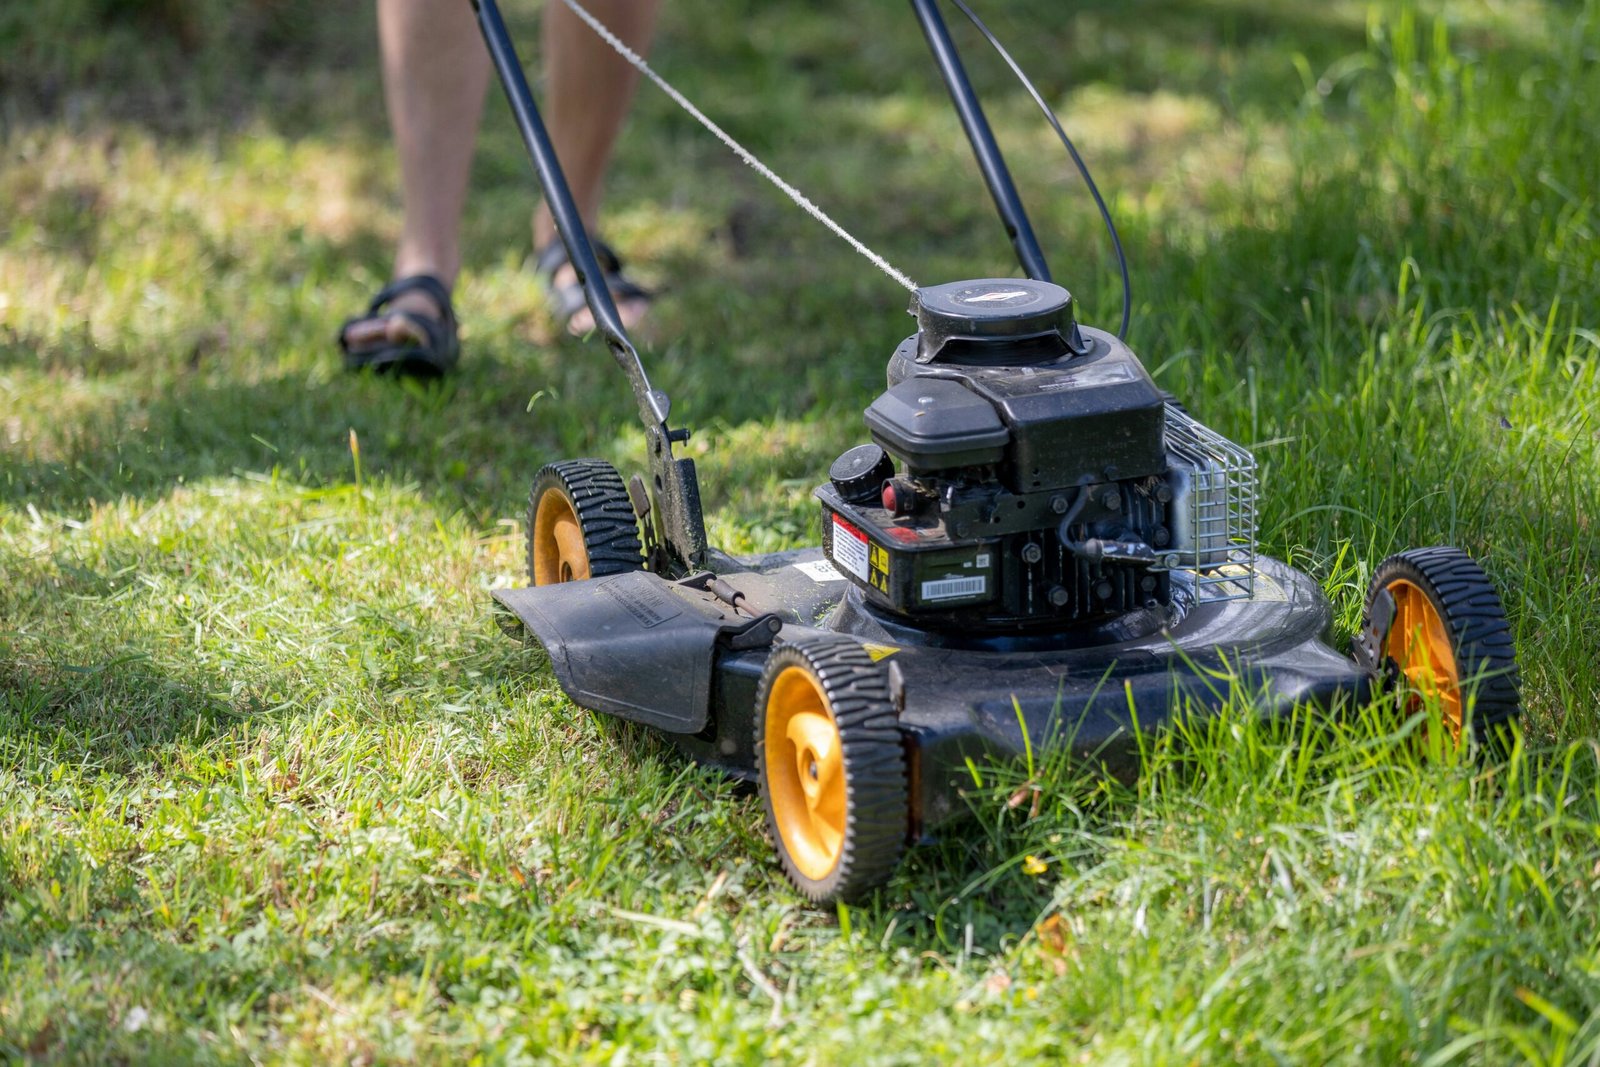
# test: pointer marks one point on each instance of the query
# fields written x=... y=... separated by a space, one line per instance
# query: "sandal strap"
x=442 y=346
x=436 y=352
x=424 y=283
x=549 y=259
x=439 y=332
x=553 y=256
x=569 y=299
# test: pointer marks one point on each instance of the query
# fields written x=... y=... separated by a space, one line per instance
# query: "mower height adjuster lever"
x=1368 y=645
x=761 y=632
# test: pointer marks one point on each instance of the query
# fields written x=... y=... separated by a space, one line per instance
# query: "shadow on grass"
x=280 y=61
x=109 y=713
x=474 y=442
x=785 y=350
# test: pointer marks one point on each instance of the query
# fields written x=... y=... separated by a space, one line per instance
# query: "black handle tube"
x=653 y=405
x=682 y=523
x=993 y=165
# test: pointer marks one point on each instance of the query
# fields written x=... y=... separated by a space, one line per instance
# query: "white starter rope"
x=740 y=150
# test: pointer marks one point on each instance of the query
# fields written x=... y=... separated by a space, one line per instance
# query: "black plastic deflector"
x=632 y=645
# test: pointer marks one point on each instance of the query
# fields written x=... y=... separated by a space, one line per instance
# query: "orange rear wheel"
x=1449 y=641
x=580 y=523
x=556 y=552
x=1419 y=644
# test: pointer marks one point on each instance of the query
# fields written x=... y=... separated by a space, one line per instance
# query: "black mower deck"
x=679 y=657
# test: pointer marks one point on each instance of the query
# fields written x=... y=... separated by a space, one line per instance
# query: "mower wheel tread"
x=1480 y=636
x=857 y=693
x=605 y=514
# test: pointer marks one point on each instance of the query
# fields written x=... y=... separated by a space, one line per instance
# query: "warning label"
x=1247 y=582
x=850 y=549
x=878 y=559
x=649 y=607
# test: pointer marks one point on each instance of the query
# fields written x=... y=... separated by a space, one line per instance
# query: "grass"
x=273 y=787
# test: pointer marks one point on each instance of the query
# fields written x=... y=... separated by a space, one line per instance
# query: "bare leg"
x=435 y=70
x=590 y=88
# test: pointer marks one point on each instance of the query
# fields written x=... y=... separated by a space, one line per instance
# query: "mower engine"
x=1027 y=474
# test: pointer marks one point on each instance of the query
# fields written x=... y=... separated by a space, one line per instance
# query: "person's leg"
x=435 y=71
x=589 y=90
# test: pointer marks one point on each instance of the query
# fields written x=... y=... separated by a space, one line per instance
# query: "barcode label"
x=950 y=588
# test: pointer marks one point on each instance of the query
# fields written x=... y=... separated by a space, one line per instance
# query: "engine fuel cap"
x=991 y=311
x=859 y=474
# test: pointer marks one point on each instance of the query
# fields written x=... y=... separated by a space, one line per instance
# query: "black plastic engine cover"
x=935 y=424
x=1095 y=417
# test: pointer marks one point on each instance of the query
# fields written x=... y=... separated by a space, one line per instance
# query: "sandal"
x=568 y=299
x=431 y=351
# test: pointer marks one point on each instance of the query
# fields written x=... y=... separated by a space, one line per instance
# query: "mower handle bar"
x=678 y=494
x=653 y=404
x=996 y=175
x=681 y=521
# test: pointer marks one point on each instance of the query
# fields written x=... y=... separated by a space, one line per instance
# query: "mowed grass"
x=274 y=787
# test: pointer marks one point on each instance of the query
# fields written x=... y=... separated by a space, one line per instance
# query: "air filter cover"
x=935 y=424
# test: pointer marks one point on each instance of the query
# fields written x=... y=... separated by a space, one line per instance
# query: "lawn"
x=274 y=787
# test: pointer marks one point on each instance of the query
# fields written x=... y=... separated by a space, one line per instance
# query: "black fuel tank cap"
x=859 y=474
x=993 y=312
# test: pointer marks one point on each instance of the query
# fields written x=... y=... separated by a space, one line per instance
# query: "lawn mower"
x=1036 y=547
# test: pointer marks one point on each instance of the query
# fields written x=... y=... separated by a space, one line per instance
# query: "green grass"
x=274 y=787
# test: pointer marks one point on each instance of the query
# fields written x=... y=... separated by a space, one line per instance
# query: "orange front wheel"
x=831 y=767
